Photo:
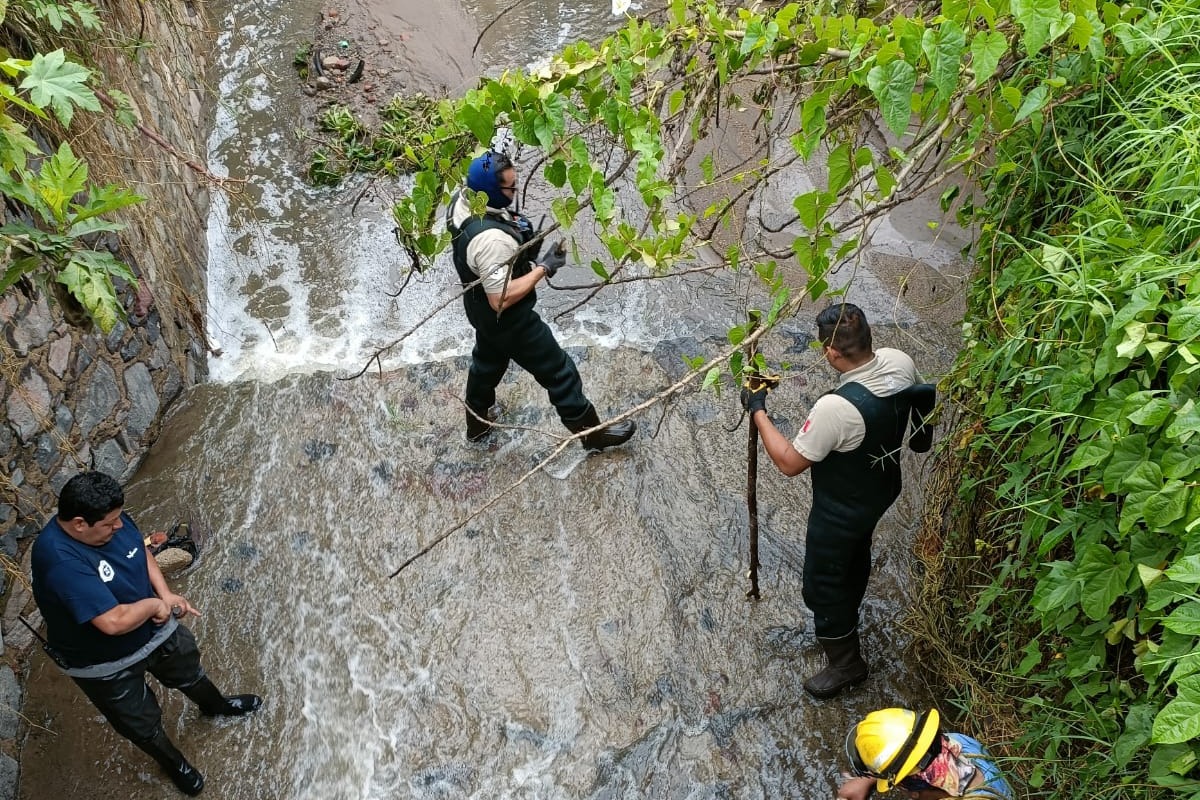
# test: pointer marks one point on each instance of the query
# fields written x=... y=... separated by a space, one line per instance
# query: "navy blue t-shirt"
x=73 y=583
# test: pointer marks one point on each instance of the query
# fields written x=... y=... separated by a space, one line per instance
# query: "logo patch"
x=106 y=571
x=804 y=428
x=131 y=553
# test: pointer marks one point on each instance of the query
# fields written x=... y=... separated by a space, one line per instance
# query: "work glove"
x=554 y=260
x=755 y=399
x=755 y=389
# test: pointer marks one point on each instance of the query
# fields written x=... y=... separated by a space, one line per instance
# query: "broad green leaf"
x=1186 y=422
x=1167 y=505
x=892 y=86
x=840 y=168
x=1133 y=339
x=1184 y=324
x=810 y=207
x=944 y=48
x=55 y=83
x=1039 y=19
x=1186 y=570
x=1102 y=575
x=1185 y=619
x=94 y=290
x=1144 y=476
x=1151 y=414
x=1032 y=102
x=885 y=180
x=1179 y=721
x=556 y=173
x=987 y=48
x=1127 y=453
x=62 y=177
x=1090 y=453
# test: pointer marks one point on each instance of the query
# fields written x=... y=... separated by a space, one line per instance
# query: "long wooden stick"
x=752 y=506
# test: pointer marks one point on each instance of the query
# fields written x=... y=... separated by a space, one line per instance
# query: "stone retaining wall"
x=71 y=399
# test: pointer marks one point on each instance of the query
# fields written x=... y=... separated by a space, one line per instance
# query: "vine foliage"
x=57 y=246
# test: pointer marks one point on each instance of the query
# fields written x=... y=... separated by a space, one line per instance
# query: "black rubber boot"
x=844 y=667
x=214 y=704
x=613 y=435
x=185 y=777
x=478 y=429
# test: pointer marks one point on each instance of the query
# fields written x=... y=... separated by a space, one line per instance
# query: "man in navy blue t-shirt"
x=111 y=618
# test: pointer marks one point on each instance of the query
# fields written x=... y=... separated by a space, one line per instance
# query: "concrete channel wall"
x=73 y=399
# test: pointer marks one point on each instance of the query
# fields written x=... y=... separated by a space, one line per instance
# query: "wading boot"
x=613 y=435
x=479 y=429
x=185 y=777
x=844 y=667
x=214 y=704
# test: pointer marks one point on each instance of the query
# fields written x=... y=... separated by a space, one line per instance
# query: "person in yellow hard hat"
x=896 y=747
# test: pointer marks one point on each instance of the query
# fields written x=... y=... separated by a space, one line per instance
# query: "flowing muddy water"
x=587 y=634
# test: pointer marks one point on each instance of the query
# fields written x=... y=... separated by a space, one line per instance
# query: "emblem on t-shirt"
x=106 y=571
x=807 y=424
x=131 y=553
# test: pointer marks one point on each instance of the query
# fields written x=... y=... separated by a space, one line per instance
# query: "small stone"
x=173 y=559
x=324 y=83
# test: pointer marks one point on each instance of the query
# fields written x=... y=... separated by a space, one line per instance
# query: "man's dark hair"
x=844 y=327
x=91 y=495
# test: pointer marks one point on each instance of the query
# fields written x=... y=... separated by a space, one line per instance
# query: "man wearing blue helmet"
x=497 y=257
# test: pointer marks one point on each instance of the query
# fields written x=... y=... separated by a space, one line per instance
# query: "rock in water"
x=173 y=559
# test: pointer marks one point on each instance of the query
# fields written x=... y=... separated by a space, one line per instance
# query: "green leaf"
x=1179 y=721
x=1040 y=19
x=480 y=120
x=1166 y=505
x=1102 y=575
x=885 y=180
x=1186 y=569
x=1151 y=414
x=94 y=290
x=987 y=48
x=1144 y=476
x=1185 y=619
x=840 y=168
x=1186 y=422
x=1034 y=101
x=944 y=47
x=55 y=83
x=1127 y=453
x=556 y=173
x=892 y=85
x=811 y=208
x=1184 y=324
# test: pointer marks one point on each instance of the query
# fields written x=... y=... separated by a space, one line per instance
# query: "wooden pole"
x=752 y=506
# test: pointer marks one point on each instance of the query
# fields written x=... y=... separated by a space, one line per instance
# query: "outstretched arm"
x=786 y=457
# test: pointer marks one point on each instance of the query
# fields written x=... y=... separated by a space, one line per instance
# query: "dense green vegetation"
x=67 y=213
x=1079 y=385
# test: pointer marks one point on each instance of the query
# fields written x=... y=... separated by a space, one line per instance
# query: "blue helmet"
x=484 y=176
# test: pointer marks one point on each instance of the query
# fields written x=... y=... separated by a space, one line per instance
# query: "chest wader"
x=519 y=334
x=850 y=493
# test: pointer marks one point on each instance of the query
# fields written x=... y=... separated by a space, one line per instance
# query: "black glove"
x=554 y=259
x=755 y=399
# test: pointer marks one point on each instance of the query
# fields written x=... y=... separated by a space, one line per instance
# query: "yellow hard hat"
x=890 y=744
